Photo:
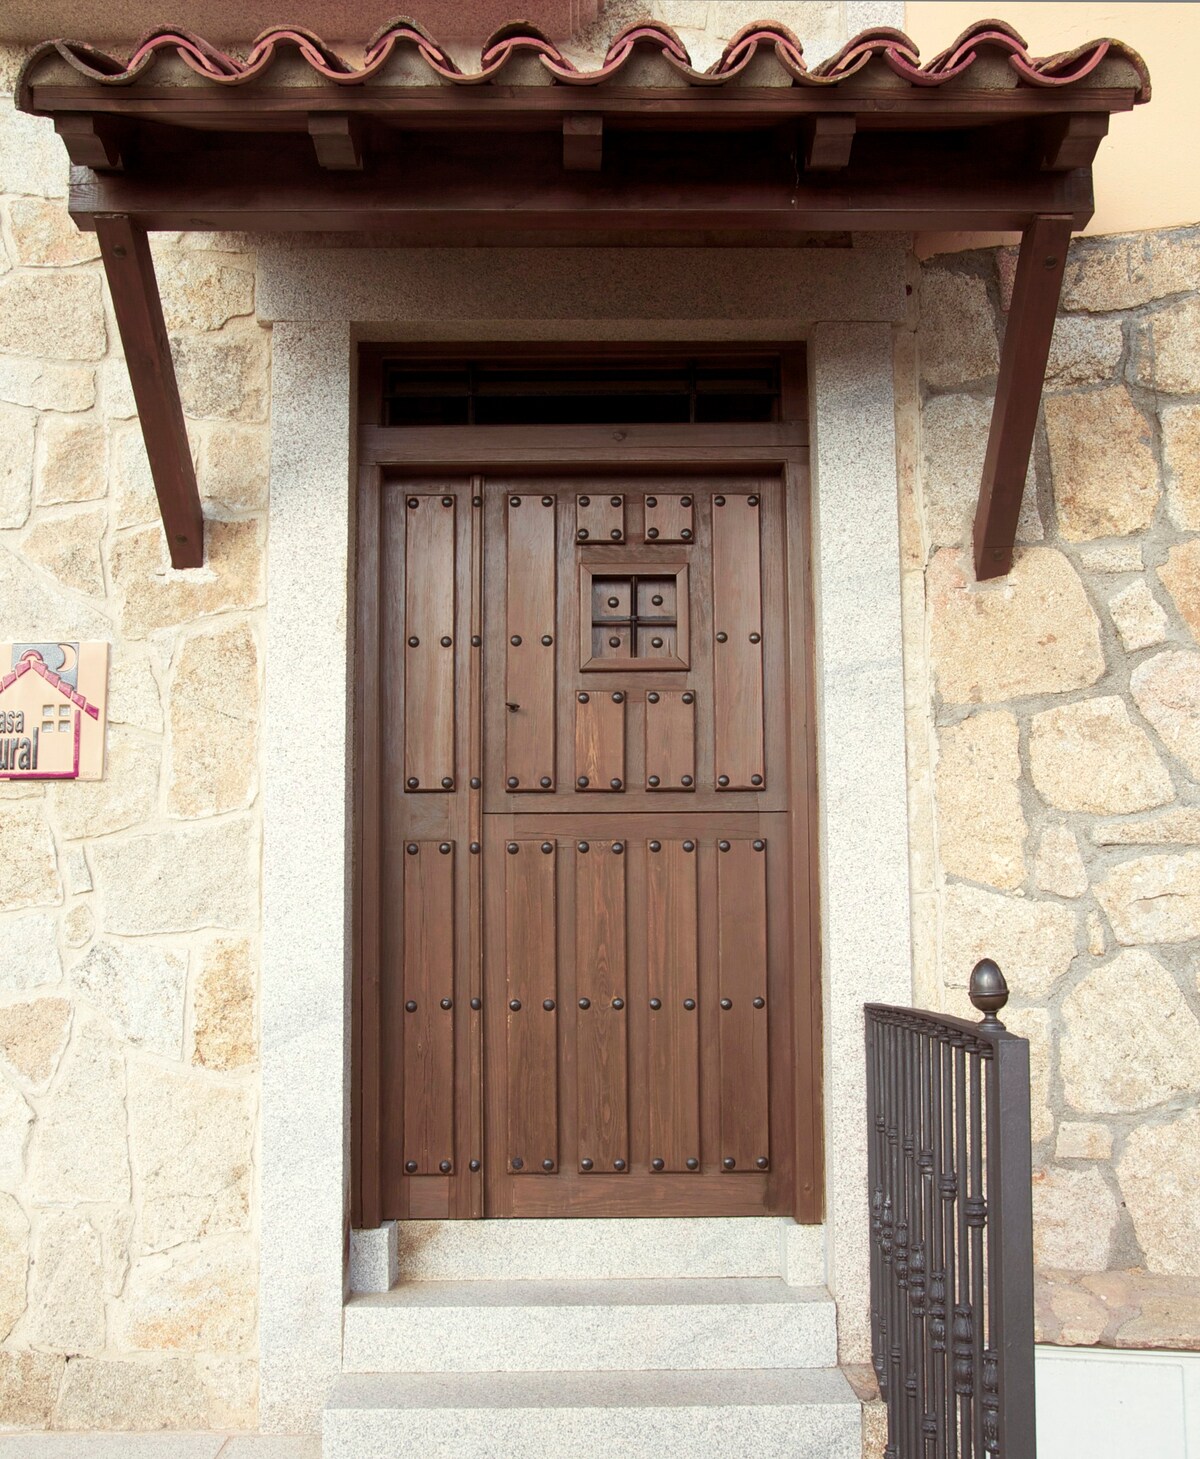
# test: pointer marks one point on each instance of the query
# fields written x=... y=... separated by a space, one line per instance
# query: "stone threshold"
x=165 y=1444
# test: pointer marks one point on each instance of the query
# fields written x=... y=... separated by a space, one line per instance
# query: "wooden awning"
x=529 y=149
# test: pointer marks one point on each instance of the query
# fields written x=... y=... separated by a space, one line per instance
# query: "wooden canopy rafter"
x=758 y=148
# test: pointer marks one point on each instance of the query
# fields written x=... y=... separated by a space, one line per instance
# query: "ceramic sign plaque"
x=53 y=699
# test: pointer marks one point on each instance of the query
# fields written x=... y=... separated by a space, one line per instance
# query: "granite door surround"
x=320 y=303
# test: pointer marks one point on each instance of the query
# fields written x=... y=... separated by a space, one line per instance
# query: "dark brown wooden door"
x=594 y=817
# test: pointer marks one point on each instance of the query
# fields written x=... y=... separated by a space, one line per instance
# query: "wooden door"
x=594 y=815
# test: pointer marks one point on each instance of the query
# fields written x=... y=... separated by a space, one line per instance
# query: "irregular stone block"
x=178 y=881
x=42 y=611
x=1167 y=691
x=149 y=1393
x=66 y=1298
x=133 y=696
x=16 y=1118
x=191 y=1140
x=29 y=1384
x=1159 y=1172
x=200 y=1299
x=1074 y=1219
x=223 y=1020
x=79 y=1150
x=70 y=460
x=1090 y=756
x=223 y=376
x=14 y=1266
x=1166 y=356
x=133 y=483
x=1034 y=633
x=203 y=290
x=29 y=866
x=16 y=465
x=45 y=386
x=1133 y=1011
x=1058 y=866
x=54 y=314
x=156 y=596
x=1128 y=271
x=1102 y=462
x=1033 y=942
x=68 y=548
x=1138 y=617
x=214 y=703
x=1181 y=455
x=140 y=988
x=1153 y=899
x=954 y=432
x=1178 y=826
x=1083 y=351
x=980 y=822
x=34 y=1035
x=1034 y=1024
x=127 y=795
x=1110 y=557
x=32 y=159
x=957 y=330
x=29 y=956
x=79 y=925
x=1078 y=1140
x=1180 y=575
x=44 y=236
x=232 y=465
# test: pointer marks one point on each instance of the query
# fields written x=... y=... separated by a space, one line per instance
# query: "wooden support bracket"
x=338 y=141
x=1040 y=267
x=1072 y=141
x=583 y=143
x=130 y=270
x=828 y=143
x=92 y=141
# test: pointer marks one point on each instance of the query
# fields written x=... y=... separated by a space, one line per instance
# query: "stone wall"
x=1054 y=748
x=129 y=907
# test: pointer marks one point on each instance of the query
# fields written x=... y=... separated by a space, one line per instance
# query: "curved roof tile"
x=986 y=38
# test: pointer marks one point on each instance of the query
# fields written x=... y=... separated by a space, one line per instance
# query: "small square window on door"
x=633 y=617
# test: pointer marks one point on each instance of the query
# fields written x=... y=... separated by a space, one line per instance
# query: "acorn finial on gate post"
x=988 y=991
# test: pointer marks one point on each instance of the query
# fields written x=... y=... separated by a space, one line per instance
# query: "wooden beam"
x=583 y=143
x=134 y=289
x=338 y=141
x=827 y=147
x=1040 y=266
x=1072 y=141
x=92 y=141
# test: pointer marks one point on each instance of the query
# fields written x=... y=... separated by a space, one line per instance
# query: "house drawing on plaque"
x=48 y=729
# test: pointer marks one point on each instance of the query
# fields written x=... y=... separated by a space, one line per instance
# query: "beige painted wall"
x=1147 y=173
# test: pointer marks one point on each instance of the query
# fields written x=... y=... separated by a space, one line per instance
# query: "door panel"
x=611 y=921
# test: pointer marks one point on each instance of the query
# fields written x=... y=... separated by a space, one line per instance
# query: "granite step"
x=523 y=1326
x=774 y=1414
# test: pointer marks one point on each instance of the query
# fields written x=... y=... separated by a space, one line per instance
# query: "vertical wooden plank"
x=429 y=1007
x=600 y=740
x=429 y=653
x=671 y=739
x=600 y=1027
x=742 y=990
x=737 y=643
x=530 y=632
x=673 y=1064
x=531 y=989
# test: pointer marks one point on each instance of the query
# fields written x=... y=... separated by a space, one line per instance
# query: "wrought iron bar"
x=949 y=1174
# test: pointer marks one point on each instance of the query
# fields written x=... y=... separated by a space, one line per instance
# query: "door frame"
x=390 y=453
